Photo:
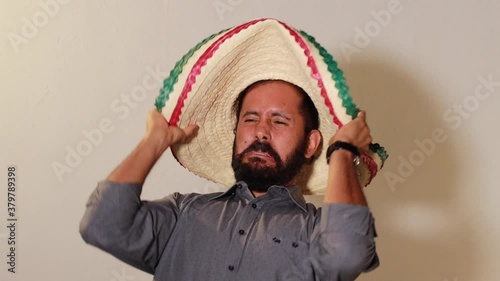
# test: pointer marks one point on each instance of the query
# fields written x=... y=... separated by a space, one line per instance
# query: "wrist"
x=340 y=156
x=343 y=148
x=156 y=143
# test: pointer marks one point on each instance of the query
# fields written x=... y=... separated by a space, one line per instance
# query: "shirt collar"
x=294 y=193
x=230 y=192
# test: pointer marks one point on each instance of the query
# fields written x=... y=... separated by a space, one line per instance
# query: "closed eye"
x=280 y=122
x=280 y=118
x=250 y=116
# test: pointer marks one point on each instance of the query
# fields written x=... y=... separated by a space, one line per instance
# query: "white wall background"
x=417 y=72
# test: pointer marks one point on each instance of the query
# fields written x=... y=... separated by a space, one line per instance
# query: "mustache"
x=263 y=147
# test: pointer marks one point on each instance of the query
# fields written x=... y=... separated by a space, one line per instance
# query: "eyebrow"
x=274 y=114
x=250 y=113
x=280 y=114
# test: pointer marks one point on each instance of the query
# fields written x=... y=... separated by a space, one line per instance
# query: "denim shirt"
x=231 y=235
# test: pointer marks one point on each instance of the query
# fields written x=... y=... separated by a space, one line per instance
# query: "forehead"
x=273 y=94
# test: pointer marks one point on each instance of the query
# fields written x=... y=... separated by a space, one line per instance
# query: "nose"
x=262 y=132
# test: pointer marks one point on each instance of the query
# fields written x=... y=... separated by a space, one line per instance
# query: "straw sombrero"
x=205 y=82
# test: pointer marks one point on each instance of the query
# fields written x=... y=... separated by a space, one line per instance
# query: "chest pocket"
x=293 y=251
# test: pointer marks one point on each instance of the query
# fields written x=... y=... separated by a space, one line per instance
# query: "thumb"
x=190 y=131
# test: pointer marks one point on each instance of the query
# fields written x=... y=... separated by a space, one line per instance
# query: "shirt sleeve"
x=343 y=244
x=134 y=231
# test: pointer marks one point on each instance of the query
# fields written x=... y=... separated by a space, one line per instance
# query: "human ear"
x=314 y=140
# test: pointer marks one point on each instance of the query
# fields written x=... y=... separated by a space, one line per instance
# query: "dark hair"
x=307 y=108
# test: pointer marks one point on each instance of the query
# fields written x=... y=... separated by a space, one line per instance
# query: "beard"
x=260 y=177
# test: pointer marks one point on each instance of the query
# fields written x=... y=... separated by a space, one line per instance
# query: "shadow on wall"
x=420 y=234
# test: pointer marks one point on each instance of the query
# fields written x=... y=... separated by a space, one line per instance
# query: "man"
x=260 y=228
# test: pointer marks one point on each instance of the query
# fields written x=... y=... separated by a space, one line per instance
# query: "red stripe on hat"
x=202 y=61
x=372 y=166
x=314 y=72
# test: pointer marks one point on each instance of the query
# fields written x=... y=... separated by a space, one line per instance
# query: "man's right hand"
x=161 y=135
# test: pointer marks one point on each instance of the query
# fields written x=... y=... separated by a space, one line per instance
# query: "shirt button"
x=241 y=231
x=254 y=205
x=231 y=267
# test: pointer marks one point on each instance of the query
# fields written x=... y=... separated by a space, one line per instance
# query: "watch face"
x=356 y=160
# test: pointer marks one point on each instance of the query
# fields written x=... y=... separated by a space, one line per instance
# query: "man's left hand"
x=355 y=132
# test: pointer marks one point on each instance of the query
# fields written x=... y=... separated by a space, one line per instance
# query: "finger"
x=154 y=112
x=156 y=119
x=362 y=120
x=190 y=131
x=364 y=148
x=361 y=115
x=367 y=142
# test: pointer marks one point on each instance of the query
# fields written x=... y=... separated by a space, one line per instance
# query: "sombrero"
x=204 y=83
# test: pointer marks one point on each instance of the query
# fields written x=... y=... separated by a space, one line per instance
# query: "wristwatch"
x=343 y=145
